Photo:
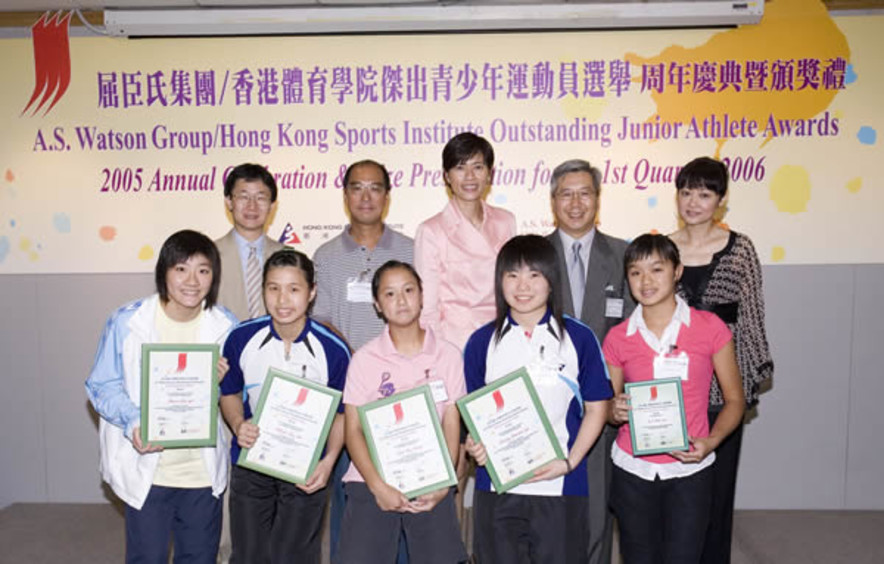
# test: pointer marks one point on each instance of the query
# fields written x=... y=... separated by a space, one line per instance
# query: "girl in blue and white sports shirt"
x=273 y=520
x=545 y=517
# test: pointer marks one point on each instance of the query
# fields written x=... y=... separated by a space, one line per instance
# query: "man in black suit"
x=594 y=290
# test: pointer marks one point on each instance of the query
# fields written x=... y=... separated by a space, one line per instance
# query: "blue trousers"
x=337 y=503
x=536 y=529
x=191 y=518
x=272 y=521
x=664 y=521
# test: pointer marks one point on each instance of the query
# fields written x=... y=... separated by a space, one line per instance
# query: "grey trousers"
x=601 y=519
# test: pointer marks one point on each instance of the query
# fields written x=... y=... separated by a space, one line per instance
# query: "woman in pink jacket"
x=455 y=250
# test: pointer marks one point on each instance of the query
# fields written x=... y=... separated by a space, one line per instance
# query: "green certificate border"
x=463 y=404
x=437 y=427
x=684 y=428
x=146 y=350
x=272 y=375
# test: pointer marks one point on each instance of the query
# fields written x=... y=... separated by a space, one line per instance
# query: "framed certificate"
x=406 y=442
x=506 y=416
x=179 y=395
x=295 y=416
x=656 y=417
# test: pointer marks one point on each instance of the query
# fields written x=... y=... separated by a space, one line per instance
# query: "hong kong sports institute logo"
x=289 y=236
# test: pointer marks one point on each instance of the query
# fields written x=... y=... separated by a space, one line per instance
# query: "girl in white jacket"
x=168 y=493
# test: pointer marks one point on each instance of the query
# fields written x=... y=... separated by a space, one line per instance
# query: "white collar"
x=548 y=325
x=682 y=315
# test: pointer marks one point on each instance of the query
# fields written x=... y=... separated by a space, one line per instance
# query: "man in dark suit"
x=594 y=290
x=250 y=196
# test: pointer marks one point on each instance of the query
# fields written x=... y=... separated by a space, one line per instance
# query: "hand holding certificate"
x=179 y=395
x=656 y=417
x=295 y=417
x=507 y=418
x=406 y=443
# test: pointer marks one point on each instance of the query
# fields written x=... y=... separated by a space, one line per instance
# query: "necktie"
x=253 y=283
x=578 y=278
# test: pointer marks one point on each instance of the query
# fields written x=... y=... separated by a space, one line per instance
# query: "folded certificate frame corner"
x=507 y=417
x=179 y=395
x=294 y=416
x=657 y=421
x=406 y=442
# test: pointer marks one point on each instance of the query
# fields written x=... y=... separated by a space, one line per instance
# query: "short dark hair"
x=390 y=265
x=368 y=162
x=250 y=172
x=463 y=146
x=649 y=244
x=575 y=165
x=537 y=253
x=703 y=172
x=290 y=257
x=179 y=248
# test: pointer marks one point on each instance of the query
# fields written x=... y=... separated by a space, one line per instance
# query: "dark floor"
x=87 y=533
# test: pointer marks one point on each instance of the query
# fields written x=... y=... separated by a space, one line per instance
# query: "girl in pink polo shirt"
x=662 y=501
x=404 y=356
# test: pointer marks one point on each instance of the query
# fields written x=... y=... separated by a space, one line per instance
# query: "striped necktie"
x=253 y=283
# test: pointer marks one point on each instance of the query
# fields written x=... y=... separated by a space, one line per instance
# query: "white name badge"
x=614 y=307
x=359 y=291
x=440 y=394
x=671 y=367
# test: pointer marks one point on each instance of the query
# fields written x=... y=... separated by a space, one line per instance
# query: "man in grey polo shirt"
x=344 y=269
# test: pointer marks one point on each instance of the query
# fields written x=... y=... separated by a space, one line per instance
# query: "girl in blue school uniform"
x=545 y=517
x=271 y=520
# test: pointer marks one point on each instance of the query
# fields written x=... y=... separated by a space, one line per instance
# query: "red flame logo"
x=302 y=396
x=498 y=399
x=52 y=60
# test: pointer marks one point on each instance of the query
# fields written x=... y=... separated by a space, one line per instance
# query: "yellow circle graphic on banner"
x=790 y=189
x=145 y=253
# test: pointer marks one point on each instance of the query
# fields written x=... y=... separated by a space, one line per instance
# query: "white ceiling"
x=40 y=5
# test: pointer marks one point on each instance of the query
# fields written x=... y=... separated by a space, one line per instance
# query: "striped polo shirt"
x=342 y=260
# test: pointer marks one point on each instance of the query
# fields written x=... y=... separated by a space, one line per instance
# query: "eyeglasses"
x=243 y=199
x=374 y=187
x=570 y=195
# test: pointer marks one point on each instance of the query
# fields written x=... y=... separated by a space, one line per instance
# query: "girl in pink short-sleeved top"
x=404 y=356
x=663 y=501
